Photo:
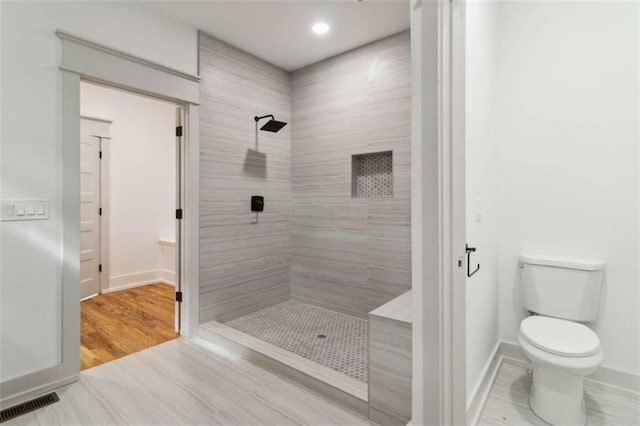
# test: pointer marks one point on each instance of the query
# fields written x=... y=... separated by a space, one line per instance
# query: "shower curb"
x=342 y=390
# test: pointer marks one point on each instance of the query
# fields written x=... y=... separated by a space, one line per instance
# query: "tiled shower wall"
x=315 y=242
x=244 y=258
x=351 y=254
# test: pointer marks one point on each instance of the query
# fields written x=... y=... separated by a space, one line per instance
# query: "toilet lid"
x=560 y=337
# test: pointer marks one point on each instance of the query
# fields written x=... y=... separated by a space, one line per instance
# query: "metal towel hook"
x=470 y=250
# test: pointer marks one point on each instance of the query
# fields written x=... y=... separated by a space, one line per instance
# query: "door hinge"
x=100 y=267
x=178 y=296
x=179 y=131
x=100 y=154
x=100 y=211
x=178 y=214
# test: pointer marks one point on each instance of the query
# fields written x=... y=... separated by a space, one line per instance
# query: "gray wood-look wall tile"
x=244 y=263
x=389 y=371
x=351 y=255
x=341 y=253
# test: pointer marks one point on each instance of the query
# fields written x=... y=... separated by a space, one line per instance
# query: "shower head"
x=272 y=125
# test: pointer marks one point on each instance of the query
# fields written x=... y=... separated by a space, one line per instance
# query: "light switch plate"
x=13 y=210
x=479 y=209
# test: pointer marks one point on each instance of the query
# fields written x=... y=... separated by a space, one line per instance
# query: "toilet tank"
x=561 y=287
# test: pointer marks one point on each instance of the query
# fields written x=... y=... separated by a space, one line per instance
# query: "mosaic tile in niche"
x=372 y=175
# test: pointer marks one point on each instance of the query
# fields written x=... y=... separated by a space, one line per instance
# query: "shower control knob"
x=257 y=203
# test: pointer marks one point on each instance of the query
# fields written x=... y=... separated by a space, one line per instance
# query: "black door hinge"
x=178 y=214
x=178 y=296
x=100 y=267
x=179 y=131
x=100 y=211
x=100 y=154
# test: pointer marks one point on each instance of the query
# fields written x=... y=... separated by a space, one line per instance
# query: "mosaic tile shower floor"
x=295 y=327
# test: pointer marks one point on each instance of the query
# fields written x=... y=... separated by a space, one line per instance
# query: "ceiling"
x=280 y=31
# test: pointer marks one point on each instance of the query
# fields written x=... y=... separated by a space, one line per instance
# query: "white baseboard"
x=606 y=375
x=138 y=279
x=167 y=277
x=36 y=391
x=480 y=393
x=512 y=350
x=89 y=297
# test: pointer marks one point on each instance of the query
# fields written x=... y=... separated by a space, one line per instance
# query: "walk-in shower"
x=302 y=288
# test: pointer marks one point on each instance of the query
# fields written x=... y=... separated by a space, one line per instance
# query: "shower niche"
x=372 y=175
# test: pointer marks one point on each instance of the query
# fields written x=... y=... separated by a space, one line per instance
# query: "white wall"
x=30 y=280
x=168 y=261
x=568 y=130
x=142 y=183
x=481 y=184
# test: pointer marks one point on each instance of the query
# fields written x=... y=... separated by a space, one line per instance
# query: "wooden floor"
x=508 y=402
x=182 y=383
x=120 y=323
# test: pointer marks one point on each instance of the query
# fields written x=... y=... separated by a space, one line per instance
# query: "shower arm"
x=264 y=116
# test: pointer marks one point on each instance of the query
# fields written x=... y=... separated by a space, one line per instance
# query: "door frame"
x=82 y=59
x=85 y=60
x=438 y=212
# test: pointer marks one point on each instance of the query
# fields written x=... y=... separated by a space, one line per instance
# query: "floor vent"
x=27 y=407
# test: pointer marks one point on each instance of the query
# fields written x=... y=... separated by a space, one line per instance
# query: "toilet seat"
x=559 y=337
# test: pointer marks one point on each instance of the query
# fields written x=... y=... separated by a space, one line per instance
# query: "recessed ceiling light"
x=320 y=28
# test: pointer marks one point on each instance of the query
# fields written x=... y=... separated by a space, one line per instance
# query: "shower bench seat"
x=390 y=362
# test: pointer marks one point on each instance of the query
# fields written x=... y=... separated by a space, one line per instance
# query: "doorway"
x=130 y=192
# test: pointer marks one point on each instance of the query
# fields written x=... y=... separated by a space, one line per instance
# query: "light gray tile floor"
x=180 y=383
x=508 y=402
x=296 y=327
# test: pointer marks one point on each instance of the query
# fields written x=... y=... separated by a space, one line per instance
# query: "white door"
x=91 y=132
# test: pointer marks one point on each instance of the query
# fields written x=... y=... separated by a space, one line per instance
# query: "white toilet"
x=559 y=292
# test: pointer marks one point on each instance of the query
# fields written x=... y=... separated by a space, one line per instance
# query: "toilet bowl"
x=562 y=353
x=560 y=292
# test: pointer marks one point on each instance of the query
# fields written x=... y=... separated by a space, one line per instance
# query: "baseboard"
x=89 y=297
x=167 y=277
x=608 y=376
x=138 y=279
x=617 y=378
x=512 y=350
x=36 y=391
x=481 y=391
